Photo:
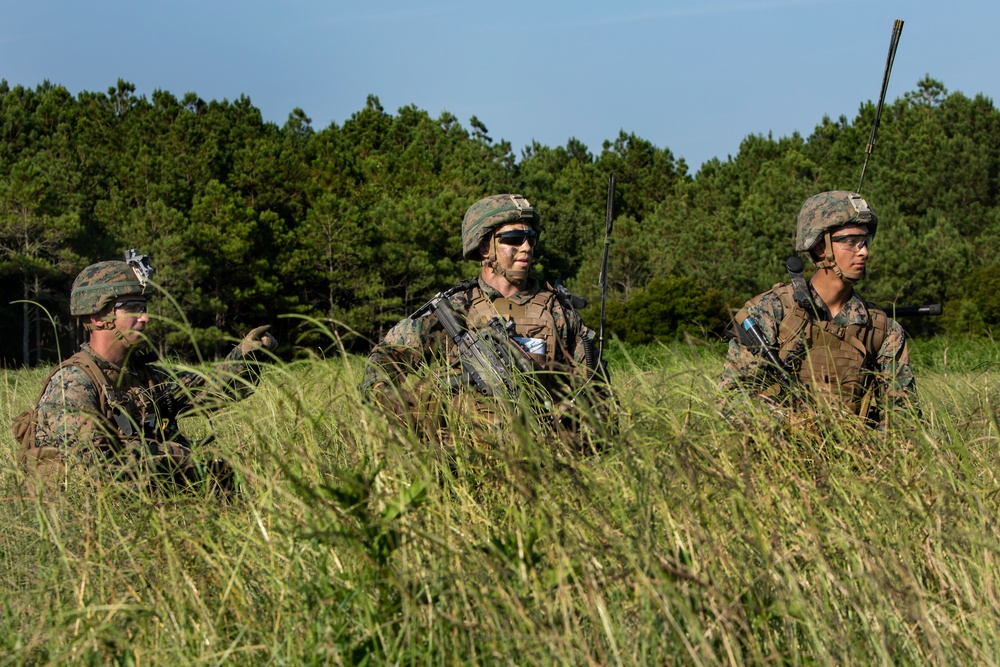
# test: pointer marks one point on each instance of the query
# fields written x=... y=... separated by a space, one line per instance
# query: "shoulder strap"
x=879 y=328
x=25 y=423
x=86 y=363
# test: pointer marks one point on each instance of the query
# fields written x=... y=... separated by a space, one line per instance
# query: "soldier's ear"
x=818 y=251
x=106 y=313
x=484 y=247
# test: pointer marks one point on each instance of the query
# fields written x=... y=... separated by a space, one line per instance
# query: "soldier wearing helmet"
x=545 y=332
x=835 y=350
x=110 y=405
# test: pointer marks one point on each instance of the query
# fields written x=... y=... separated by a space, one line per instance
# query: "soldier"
x=834 y=349
x=108 y=405
x=549 y=343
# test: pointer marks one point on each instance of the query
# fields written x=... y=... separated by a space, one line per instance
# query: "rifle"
x=158 y=410
x=490 y=359
x=897 y=31
x=912 y=311
x=603 y=280
x=758 y=341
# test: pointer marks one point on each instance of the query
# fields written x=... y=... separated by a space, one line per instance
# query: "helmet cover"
x=829 y=210
x=103 y=283
x=492 y=212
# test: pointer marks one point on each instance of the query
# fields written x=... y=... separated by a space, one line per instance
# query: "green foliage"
x=358 y=224
x=664 y=308
x=978 y=310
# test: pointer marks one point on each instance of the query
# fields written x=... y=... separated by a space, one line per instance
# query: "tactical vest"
x=532 y=320
x=839 y=362
x=123 y=402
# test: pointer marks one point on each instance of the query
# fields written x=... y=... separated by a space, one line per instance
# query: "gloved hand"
x=257 y=339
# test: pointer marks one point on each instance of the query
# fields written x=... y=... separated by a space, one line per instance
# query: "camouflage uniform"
x=416 y=368
x=416 y=343
x=891 y=376
x=113 y=424
x=854 y=363
x=123 y=419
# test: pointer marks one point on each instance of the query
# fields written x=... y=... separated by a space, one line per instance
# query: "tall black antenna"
x=609 y=219
x=897 y=31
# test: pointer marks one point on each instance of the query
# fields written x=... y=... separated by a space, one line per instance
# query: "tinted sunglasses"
x=518 y=236
x=131 y=307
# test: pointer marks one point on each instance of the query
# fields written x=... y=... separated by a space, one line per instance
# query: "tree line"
x=357 y=224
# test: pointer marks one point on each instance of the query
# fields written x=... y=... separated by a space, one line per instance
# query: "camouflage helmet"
x=829 y=210
x=489 y=213
x=103 y=283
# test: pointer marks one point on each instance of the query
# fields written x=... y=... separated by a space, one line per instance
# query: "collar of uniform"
x=102 y=363
x=522 y=297
x=853 y=312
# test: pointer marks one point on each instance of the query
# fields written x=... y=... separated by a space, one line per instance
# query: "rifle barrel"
x=913 y=311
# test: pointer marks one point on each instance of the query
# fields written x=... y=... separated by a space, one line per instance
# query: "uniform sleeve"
x=896 y=375
x=409 y=347
x=742 y=365
x=69 y=412
x=398 y=354
x=232 y=379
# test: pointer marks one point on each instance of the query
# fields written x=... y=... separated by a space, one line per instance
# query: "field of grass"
x=685 y=541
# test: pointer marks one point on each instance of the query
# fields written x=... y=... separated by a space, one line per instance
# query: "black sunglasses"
x=518 y=236
x=131 y=307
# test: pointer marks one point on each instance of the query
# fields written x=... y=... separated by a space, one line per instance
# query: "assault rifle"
x=754 y=339
x=159 y=410
x=490 y=358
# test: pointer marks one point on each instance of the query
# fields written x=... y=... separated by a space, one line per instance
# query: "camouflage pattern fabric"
x=76 y=418
x=489 y=213
x=416 y=368
x=829 y=210
x=746 y=373
x=101 y=284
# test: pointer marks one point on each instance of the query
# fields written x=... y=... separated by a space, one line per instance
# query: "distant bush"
x=979 y=311
x=665 y=307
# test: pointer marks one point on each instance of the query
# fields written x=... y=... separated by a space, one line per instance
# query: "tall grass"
x=683 y=541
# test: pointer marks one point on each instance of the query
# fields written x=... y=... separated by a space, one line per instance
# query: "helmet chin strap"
x=120 y=337
x=108 y=324
x=829 y=262
x=514 y=277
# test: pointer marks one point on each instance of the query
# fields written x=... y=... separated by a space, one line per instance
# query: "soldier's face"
x=130 y=317
x=515 y=247
x=850 y=250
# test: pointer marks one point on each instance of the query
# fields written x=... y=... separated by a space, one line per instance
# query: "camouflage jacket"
x=890 y=373
x=75 y=415
x=414 y=344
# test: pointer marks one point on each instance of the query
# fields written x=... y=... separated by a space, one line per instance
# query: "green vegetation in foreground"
x=685 y=542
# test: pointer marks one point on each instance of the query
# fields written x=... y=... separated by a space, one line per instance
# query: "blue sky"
x=694 y=76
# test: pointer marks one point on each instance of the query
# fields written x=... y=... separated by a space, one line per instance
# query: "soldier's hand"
x=258 y=338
